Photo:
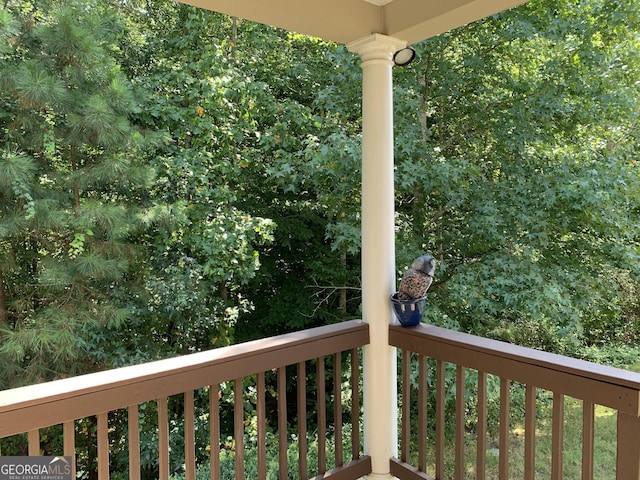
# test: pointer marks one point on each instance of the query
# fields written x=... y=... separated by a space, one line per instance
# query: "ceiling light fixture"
x=404 y=56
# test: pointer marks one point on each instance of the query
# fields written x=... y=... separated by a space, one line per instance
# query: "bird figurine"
x=417 y=279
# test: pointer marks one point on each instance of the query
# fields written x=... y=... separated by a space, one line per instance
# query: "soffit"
x=344 y=21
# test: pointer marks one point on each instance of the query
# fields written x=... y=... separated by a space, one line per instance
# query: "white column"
x=378 y=249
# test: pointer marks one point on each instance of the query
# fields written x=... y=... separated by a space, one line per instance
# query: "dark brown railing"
x=455 y=358
x=188 y=381
x=446 y=393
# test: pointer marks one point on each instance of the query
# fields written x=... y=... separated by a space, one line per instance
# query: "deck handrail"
x=574 y=377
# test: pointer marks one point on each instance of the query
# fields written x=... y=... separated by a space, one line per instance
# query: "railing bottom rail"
x=351 y=471
x=404 y=471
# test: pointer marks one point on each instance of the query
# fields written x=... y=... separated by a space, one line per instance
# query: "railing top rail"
x=600 y=384
x=71 y=398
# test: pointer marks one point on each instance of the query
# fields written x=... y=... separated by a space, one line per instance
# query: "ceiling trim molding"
x=344 y=21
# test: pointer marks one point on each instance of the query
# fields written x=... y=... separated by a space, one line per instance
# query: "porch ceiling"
x=343 y=21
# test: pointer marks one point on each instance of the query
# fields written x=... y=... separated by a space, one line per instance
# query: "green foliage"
x=199 y=264
x=72 y=187
x=516 y=165
x=254 y=165
x=227 y=458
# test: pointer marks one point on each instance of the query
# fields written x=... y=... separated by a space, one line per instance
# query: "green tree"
x=72 y=187
x=180 y=60
x=244 y=126
x=517 y=151
x=309 y=157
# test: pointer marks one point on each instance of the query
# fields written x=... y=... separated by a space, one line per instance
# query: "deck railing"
x=178 y=387
x=464 y=366
x=449 y=414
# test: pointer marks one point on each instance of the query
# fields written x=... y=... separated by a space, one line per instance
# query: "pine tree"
x=72 y=184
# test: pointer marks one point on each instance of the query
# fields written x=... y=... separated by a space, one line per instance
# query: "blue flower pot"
x=408 y=312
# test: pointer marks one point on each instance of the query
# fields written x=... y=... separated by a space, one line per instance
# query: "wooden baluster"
x=322 y=416
x=282 y=423
x=460 y=421
x=103 y=446
x=133 y=422
x=481 y=428
x=337 y=407
x=440 y=418
x=69 y=439
x=628 y=455
x=557 y=436
x=406 y=406
x=302 y=422
x=355 y=405
x=189 y=436
x=33 y=441
x=530 y=433
x=422 y=413
x=214 y=431
x=69 y=444
x=262 y=427
x=588 y=414
x=163 y=438
x=238 y=427
x=505 y=429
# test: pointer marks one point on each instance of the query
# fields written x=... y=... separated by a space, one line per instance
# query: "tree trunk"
x=33 y=245
x=74 y=168
x=3 y=301
x=343 y=290
x=92 y=448
x=234 y=30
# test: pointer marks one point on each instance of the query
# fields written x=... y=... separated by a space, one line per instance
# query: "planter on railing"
x=408 y=312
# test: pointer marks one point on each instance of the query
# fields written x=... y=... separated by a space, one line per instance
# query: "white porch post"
x=378 y=249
